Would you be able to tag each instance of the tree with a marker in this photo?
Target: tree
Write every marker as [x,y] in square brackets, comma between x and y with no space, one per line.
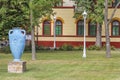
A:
[12,14]
[95,14]
[107,22]
[25,13]
[108,54]
[39,9]
[98,17]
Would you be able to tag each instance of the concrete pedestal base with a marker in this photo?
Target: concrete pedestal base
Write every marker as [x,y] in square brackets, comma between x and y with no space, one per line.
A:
[16,67]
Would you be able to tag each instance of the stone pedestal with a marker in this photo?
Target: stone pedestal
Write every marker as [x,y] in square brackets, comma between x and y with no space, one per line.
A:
[16,67]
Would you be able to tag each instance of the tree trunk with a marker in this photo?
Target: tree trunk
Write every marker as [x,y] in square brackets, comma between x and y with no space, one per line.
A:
[108,49]
[32,35]
[33,45]
[98,36]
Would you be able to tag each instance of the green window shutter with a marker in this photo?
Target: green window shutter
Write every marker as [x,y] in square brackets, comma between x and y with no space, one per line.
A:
[58,28]
[47,30]
[46,27]
[114,3]
[92,29]
[115,30]
[80,29]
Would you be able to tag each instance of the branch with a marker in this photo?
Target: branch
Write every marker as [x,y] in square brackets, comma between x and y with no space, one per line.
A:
[113,12]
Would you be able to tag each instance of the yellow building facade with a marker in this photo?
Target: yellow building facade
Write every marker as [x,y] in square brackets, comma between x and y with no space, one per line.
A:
[68,30]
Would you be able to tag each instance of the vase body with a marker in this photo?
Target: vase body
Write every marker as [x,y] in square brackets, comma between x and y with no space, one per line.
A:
[17,38]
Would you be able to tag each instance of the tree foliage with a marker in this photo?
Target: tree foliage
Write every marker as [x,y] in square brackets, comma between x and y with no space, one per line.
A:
[13,14]
[95,14]
[107,22]
[98,11]
[16,13]
[25,14]
[94,9]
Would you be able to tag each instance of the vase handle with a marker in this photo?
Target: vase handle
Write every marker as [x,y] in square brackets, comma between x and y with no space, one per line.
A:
[23,32]
[10,32]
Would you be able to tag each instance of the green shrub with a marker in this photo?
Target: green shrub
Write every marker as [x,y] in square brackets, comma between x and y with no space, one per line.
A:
[113,48]
[5,49]
[40,47]
[46,48]
[104,47]
[94,47]
[66,47]
[27,48]
[80,48]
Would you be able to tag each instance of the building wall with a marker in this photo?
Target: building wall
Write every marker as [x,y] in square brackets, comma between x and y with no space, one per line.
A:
[68,3]
[65,14]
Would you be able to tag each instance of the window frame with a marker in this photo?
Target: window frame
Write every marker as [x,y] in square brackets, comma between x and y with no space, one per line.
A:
[77,28]
[43,30]
[112,26]
[59,26]
[60,4]
[89,28]
[115,3]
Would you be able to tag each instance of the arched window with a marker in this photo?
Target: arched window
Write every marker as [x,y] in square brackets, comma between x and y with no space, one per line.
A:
[80,28]
[114,3]
[46,28]
[59,4]
[92,28]
[58,28]
[115,28]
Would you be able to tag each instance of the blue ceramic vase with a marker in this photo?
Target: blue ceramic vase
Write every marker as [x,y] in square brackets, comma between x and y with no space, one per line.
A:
[17,38]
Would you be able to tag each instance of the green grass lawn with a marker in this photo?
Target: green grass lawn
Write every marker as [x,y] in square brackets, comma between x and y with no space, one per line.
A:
[65,65]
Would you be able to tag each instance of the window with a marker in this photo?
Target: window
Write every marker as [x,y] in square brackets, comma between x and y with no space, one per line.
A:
[80,28]
[46,28]
[58,4]
[114,3]
[92,28]
[58,28]
[115,28]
